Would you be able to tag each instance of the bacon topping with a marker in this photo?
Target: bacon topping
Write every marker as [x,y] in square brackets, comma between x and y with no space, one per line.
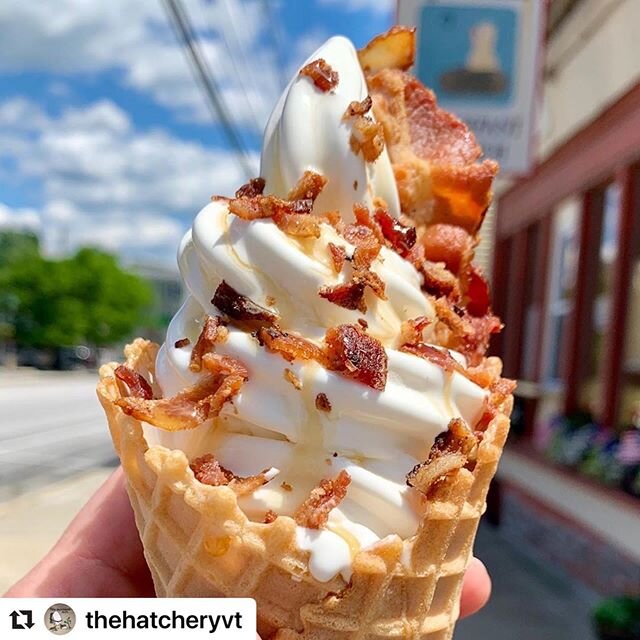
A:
[192,406]
[290,347]
[138,386]
[448,243]
[241,308]
[314,512]
[183,342]
[400,238]
[308,187]
[411,330]
[208,470]
[367,136]
[356,108]
[286,486]
[477,293]
[253,188]
[291,377]
[269,517]
[322,402]
[338,256]
[321,73]
[213,332]
[357,355]
[350,295]
[451,451]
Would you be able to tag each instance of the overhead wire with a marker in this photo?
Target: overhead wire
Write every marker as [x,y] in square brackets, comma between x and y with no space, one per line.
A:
[186,35]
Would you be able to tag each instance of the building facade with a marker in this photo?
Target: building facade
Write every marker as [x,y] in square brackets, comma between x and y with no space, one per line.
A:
[566,281]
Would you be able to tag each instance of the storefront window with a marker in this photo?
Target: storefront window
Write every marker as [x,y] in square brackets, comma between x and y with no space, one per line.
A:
[532,304]
[630,396]
[562,286]
[591,389]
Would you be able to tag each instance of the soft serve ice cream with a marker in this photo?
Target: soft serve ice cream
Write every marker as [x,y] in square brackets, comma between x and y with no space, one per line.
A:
[276,420]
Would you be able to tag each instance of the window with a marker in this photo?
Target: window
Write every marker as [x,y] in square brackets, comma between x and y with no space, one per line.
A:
[564,261]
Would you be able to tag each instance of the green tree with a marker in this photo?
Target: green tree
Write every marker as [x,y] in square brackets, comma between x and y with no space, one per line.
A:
[87,298]
[17,244]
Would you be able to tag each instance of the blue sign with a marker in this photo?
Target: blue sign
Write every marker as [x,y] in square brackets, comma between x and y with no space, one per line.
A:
[467,54]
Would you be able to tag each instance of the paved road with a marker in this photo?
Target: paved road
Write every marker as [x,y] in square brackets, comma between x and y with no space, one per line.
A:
[51,427]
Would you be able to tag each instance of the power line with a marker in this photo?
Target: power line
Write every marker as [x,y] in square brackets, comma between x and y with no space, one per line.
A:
[202,73]
[278,41]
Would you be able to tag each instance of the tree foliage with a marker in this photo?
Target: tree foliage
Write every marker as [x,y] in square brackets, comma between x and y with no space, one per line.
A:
[87,298]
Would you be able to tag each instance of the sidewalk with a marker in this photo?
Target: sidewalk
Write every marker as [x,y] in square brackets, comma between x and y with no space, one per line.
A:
[530,601]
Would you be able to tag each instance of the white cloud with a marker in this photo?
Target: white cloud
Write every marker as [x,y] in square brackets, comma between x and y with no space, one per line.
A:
[20,218]
[374,6]
[105,183]
[71,36]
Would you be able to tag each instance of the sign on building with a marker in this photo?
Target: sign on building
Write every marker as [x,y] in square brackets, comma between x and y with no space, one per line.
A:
[481,59]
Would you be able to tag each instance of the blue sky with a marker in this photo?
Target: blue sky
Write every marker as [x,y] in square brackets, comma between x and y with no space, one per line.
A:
[105,138]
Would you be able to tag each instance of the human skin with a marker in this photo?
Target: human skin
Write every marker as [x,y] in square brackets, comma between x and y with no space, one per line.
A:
[100,555]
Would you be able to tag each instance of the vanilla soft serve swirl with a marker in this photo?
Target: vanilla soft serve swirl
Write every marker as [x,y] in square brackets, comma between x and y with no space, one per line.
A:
[377,436]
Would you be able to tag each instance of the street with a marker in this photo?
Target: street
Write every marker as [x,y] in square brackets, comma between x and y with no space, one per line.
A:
[51,427]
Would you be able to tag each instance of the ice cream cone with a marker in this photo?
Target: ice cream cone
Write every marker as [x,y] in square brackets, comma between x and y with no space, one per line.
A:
[198,542]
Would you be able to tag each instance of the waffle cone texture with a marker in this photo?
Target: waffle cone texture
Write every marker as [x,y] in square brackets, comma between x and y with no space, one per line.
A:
[199,543]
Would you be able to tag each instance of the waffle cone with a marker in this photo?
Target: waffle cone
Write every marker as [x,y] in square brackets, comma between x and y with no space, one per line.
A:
[198,542]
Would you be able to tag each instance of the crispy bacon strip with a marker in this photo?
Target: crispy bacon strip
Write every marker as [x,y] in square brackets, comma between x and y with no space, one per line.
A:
[241,308]
[356,108]
[260,207]
[399,237]
[367,137]
[289,346]
[191,407]
[357,355]
[208,470]
[323,403]
[308,187]
[213,332]
[253,188]
[314,512]
[138,386]
[300,226]
[450,244]
[451,451]
[321,74]
[338,256]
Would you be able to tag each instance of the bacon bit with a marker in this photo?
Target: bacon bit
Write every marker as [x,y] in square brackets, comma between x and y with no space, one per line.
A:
[183,342]
[465,333]
[338,257]
[448,243]
[291,377]
[363,323]
[241,308]
[334,218]
[209,471]
[500,390]
[189,408]
[290,347]
[437,280]
[367,136]
[253,188]
[363,217]
[356,108]
[300,226]
[270,300]
[286,486]
[269,517]
[321,73]
[400,238]
[451,451]
[477,293]
[322,402]
[357,355]
[314,512]
[439,357]
[308,187]
[138,386]
[213,332]
[348,295]
[411,330]
[262,207]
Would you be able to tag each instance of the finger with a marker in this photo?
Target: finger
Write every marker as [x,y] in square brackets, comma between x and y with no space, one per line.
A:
[476,588]
[99,554]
